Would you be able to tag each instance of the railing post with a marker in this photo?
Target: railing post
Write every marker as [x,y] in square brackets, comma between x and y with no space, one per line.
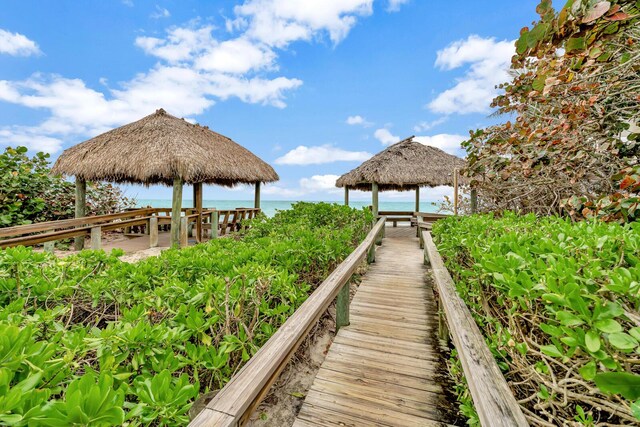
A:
[96,238]
[153,232]
[371,254]
[215,219]
[342,307]
[443,329]
[184,239]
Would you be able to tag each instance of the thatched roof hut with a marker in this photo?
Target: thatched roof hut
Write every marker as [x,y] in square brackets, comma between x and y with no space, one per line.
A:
[163,149]
[159,148]
[403,166]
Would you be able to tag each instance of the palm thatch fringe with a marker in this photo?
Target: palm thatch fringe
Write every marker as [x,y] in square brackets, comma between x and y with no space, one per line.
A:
[402,167]
[159,148]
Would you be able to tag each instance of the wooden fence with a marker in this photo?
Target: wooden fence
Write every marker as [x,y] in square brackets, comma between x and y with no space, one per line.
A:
[146,220]
[236,401]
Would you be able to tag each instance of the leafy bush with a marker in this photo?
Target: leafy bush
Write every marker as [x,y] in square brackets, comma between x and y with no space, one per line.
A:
[91,340]
[558,303]
[576,112]
[28,193]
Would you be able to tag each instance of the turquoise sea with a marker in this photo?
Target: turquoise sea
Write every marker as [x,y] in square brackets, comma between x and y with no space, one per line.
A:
[269,207]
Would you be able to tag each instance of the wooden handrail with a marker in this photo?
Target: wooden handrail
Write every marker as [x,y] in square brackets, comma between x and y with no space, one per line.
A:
[67,234]
[492,397]
[68,223]
[234,403]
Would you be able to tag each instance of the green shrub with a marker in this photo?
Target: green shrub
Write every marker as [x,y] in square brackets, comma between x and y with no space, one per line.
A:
[149,337]
[558,302]
[28,193]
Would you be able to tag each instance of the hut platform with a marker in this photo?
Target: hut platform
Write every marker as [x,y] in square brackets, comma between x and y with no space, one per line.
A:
[385,368]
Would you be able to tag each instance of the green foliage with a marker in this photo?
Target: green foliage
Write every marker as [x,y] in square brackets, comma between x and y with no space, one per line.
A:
[90,340]
[558,302]
[28,193]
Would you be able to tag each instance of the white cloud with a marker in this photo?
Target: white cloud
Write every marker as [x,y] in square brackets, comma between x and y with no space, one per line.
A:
[194,70]
[446,142]
[385,137]
[394,5]
[236,56]
[181,43]
[320,183]
[16,44]
[280,191]
[280,22]
[160,12]
[358,120]
[303,155]
[488,61]
[425,126]
[314,185]
[16,136]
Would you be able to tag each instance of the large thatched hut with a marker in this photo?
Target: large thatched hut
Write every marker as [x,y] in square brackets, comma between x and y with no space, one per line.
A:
[163,149]
[403,166]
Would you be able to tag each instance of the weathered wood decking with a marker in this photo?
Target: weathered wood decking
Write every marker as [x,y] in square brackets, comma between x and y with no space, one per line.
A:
[384,368]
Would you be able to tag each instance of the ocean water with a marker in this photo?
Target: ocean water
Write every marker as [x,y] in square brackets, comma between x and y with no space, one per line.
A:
[269,207]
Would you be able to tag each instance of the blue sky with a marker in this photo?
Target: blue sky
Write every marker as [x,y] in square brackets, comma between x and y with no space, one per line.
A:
[313,87]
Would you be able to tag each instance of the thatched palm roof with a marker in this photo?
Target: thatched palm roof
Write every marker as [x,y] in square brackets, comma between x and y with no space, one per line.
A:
[159,148]
[404,166]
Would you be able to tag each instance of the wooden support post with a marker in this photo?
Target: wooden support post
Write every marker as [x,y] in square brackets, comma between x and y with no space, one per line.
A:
[50,246]
[197,203]
[96,238]
[374,199]
[184,238]
[256,196]
[443,328]
[153,232]
[81,203]
[474,201]
[342,307]
[176,211]
[346,195]
[417,199]
[215,219]
[455,191]
[371,254]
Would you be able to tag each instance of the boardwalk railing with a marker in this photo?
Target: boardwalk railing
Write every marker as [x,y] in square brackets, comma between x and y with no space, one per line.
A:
[147,219]
[493,400]
[233,405]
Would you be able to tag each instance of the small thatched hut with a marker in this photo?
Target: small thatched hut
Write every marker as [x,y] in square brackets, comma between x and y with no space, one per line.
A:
[403,166]
[163,149]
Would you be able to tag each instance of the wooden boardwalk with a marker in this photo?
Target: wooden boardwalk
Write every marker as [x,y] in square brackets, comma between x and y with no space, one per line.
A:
[385,368]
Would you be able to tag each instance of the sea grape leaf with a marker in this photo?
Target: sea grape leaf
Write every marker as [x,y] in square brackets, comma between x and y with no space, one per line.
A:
[596,11]
[576,43]
[623,383]
[592,341]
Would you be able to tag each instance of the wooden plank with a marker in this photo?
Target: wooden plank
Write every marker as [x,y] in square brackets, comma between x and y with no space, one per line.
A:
[385,414]
[246,387]
[427,381]
[492,397]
